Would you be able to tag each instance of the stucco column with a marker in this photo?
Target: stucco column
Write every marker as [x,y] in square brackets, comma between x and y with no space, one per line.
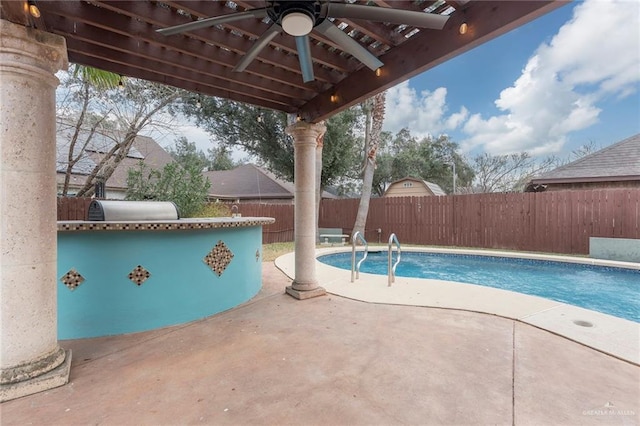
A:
[319,146]
[30,358]
[305,136]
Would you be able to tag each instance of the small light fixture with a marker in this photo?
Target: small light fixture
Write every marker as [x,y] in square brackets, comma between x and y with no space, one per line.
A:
[260,118]
[198,103]
[463,28]
[33,9]
[378,72]
[333,98]
[297,23]
[298,118]
[121,83]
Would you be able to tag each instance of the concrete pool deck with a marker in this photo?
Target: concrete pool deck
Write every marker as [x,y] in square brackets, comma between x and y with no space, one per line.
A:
[336,361]
[612,335]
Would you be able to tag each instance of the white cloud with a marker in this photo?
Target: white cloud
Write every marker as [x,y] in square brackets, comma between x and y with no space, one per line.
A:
[594,55]
[423,114]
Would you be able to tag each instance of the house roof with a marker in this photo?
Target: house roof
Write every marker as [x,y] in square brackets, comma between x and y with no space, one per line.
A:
[620,161]
[246,181]
[434,188]
[144,148]
[121,37]
[250,182]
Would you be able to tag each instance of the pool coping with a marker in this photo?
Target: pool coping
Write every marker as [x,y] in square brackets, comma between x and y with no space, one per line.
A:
[606,333]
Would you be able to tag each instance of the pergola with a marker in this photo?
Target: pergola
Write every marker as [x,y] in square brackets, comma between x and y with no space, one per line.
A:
[121,37]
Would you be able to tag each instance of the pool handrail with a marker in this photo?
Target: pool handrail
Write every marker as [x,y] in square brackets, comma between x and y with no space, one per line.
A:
[392,269]
[355,269]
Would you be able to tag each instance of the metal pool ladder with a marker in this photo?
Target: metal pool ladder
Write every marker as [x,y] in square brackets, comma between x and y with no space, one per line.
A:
[355,269]
[392,269]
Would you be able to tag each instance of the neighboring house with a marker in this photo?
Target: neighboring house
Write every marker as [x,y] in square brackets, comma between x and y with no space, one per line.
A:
[616,166]
[251,184]
[144,149]
[413,187]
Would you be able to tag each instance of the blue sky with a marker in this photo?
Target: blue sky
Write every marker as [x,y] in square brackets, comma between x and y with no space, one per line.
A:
[549,87]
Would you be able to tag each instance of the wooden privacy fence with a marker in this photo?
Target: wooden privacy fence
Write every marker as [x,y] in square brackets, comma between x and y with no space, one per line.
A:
[72,208]
[279,232]
[558,221]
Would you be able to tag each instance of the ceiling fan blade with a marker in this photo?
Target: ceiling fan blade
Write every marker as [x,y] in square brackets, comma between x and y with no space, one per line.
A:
[304,56]
[348,44]
[216,20]
[257,47]
[386,14]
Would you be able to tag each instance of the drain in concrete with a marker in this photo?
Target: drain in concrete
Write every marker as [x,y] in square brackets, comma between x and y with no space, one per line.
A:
[582,323]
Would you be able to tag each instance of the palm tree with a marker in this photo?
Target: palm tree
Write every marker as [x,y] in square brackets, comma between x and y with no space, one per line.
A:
[374,110]
[98,78]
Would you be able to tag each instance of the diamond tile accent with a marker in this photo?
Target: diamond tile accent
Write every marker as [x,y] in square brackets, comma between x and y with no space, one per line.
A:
[219,258]
[72,279]
[139,275]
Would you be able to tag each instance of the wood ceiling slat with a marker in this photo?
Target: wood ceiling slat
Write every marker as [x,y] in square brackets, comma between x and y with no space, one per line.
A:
[154,53]
[139,30]
[125,69]
[426,50]
[163,17]
[104,53]
[256,28]
[122,39]
[376,31]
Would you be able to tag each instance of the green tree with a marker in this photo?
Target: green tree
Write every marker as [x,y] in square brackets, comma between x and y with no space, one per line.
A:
[89,103]
[342,147]
[258,131]
[429,159]
[188,155]
[261,133]
[220,158]
[185,186]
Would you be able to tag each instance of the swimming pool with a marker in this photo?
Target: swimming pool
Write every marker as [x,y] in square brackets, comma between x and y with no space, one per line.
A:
[614,291]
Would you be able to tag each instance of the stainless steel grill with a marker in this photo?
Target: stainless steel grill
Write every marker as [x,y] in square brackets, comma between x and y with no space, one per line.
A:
[112,210]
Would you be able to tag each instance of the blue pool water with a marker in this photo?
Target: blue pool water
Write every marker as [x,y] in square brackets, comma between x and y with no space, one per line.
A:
[613,291]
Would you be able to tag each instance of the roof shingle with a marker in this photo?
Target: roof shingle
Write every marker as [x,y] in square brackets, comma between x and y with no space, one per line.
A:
[620,160]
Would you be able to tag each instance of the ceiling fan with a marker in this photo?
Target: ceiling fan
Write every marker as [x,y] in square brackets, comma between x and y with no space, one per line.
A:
[299,18]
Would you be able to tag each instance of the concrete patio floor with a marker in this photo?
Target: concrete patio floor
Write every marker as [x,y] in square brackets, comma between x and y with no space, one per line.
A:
[336,361]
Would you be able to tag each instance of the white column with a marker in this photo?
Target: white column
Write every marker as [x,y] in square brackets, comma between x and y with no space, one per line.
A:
[305,283]
[30,358]
[319,146]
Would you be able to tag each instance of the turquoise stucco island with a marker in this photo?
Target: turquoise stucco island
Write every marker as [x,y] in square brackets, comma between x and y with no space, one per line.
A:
[126,277]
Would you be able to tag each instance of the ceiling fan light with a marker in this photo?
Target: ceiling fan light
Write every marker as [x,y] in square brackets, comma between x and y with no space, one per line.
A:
[297,23]
[33,9]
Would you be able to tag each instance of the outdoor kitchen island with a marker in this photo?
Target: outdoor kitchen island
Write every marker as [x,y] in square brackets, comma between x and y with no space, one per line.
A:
[117,277]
